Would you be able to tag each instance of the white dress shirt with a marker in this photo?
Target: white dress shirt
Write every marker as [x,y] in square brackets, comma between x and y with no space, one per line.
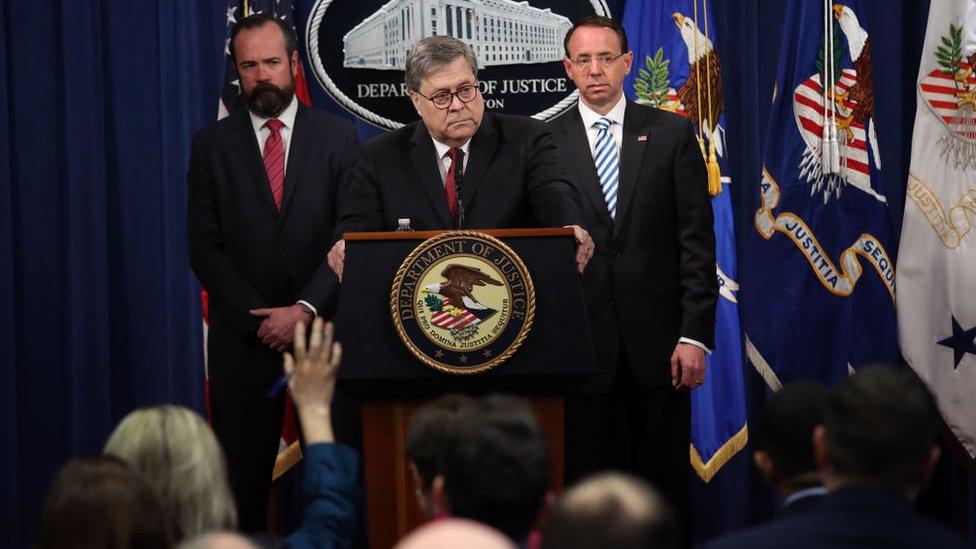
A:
[616,114]
[444,161]
[287,118]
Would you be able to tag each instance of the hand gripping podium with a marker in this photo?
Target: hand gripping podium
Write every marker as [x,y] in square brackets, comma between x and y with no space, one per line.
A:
[421,314]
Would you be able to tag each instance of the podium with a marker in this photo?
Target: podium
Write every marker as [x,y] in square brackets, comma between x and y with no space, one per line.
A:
[391,382]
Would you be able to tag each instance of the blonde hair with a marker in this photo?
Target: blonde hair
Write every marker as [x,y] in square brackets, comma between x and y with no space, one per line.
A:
[180,457]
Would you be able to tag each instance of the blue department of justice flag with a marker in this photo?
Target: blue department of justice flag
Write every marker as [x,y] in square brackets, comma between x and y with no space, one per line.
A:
[676,68]
[819,287]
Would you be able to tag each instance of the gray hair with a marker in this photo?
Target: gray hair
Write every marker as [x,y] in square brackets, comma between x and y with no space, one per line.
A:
[433,53]
[180,457]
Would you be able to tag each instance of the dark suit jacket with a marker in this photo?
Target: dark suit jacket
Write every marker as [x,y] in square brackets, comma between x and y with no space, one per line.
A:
[850,517]
[513,179]
[243,251]
[652,277]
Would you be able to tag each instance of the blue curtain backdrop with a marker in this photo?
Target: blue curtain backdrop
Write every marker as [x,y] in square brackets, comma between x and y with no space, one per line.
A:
[99,312]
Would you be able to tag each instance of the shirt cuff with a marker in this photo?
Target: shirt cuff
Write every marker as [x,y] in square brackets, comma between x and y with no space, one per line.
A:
[696,344]
[315,312]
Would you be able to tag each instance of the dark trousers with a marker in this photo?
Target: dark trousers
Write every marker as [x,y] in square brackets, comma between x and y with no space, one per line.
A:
[248,426]
[644,431]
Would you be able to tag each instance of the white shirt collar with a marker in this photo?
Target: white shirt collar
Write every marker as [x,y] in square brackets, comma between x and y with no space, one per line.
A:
[616,113]
[442,149]
[287,116]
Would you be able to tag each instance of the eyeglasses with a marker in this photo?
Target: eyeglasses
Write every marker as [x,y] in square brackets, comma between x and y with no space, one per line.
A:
[443,100]
[604,60]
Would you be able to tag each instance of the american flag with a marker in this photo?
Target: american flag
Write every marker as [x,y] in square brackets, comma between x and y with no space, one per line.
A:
[289,451]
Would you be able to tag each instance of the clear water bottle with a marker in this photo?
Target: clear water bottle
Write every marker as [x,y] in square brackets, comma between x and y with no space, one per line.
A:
[403,224]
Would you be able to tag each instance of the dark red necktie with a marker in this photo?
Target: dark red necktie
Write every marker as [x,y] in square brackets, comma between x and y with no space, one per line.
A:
[274,160]
[450,185]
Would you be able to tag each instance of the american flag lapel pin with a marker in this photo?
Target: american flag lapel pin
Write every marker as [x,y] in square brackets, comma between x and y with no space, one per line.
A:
[642,137]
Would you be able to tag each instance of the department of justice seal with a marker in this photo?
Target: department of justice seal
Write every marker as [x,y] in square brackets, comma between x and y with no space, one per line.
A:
[462,302]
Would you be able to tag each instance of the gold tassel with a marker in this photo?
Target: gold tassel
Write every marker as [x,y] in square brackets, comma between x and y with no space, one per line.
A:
[714,172]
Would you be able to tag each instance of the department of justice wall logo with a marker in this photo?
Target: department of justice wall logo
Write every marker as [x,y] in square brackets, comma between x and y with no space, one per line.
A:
[358,49]
[462,302]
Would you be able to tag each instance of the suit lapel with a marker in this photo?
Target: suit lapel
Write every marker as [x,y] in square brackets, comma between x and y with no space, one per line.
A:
[423,154]
[636,135]
[243,138]
[299,144]
[480,153]
[577,151]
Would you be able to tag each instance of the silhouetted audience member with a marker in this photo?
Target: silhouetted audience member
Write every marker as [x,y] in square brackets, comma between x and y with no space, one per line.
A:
[427,439]
[175,450]
[784,453]
[454,533]
[218,540]
[100,502]
[496,468]
[611,511]
[875,450]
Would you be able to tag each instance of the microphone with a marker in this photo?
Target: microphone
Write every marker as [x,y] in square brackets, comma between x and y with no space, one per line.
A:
[458,184]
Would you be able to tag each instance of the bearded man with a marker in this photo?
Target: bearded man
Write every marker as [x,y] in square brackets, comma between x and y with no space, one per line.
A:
[260,213]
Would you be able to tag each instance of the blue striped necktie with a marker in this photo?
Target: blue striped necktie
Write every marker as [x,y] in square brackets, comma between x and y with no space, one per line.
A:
[607,163]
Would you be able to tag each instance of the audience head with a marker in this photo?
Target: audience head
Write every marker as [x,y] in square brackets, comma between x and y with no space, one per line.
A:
[610,511]
[879,430]
[178,454]
[452,533]
[784,451]
[442,76]
[218,540]
[496,468]
[427,439]
[100,502]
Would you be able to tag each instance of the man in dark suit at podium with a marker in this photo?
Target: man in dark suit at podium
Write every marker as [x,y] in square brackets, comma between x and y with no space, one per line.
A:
[260,215]
[650,289]
[458,167]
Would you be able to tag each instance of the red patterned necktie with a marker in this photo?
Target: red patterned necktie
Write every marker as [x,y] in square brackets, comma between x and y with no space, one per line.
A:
[274,160]
[450,187]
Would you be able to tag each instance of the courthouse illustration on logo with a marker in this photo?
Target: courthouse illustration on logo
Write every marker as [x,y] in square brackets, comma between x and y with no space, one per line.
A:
[501,32]
[463,302]
[358,50]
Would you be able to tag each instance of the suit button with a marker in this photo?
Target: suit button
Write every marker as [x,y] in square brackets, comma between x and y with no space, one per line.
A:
[615,253]
[613,300]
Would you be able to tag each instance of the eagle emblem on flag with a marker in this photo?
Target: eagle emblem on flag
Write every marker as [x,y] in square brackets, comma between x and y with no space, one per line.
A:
[834,112]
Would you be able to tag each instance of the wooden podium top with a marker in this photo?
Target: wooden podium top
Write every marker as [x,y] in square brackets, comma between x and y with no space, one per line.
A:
[423,235]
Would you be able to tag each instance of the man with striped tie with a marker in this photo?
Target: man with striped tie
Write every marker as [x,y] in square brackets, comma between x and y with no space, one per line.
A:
[650,288]
[260,215]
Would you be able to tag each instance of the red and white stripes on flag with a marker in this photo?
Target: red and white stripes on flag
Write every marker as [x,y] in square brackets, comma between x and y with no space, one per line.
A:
[443,319]
[808,107]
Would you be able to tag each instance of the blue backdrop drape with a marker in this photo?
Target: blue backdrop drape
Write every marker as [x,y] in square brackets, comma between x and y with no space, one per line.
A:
[99,312]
